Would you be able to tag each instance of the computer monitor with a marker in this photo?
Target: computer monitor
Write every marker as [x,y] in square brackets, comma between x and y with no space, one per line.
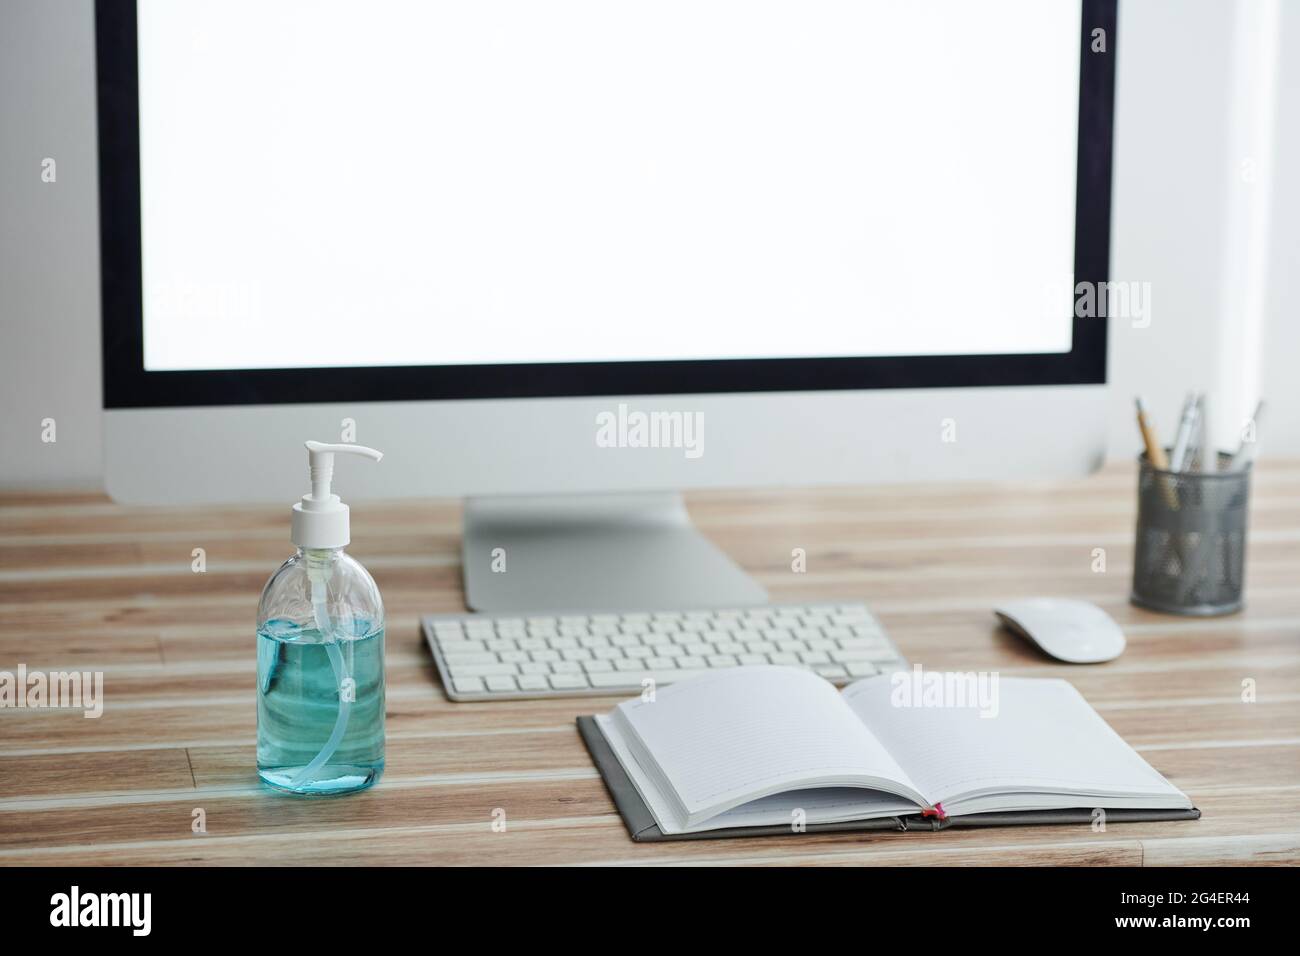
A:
[567,257]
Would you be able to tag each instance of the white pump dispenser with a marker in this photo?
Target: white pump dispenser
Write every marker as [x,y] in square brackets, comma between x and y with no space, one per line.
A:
[321,520]
[321,600]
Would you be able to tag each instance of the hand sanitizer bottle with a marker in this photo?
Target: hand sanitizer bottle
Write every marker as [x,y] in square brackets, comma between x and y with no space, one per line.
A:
[320,652]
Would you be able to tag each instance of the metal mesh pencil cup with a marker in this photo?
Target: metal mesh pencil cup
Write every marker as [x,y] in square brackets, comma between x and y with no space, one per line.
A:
[1190,555]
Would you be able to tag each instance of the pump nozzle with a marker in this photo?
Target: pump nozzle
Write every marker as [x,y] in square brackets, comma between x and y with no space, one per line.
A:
[320,520]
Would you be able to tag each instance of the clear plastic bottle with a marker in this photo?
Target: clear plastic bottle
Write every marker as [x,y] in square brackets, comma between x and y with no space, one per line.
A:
[320,654]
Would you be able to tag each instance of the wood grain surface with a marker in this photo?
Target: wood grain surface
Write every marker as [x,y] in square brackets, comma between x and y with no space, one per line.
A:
[89,585]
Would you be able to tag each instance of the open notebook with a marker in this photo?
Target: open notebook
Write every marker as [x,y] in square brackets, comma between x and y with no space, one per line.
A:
[770,749]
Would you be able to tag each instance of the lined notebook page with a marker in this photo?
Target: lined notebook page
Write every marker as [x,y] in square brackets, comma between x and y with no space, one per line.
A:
[728,737]
[1044,737]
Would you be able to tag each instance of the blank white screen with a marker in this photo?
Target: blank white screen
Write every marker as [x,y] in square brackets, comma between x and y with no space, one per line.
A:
[394,182]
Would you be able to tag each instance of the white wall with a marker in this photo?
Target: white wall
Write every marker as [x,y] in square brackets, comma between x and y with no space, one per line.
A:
[1206,125]
[1279,431]
[1168,215]
[49,293]
[1197,98]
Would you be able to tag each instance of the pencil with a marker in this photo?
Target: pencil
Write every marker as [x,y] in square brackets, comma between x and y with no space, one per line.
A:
[1156,455]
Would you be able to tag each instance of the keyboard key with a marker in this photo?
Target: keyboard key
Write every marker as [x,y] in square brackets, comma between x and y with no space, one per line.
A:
[831,671]
[723,660]
[457,658]
[615,679]
[483,670]
[597,667]
[879,640]
[468,685]
[501,684]
[877,654]
[861,669]
[569,681]
[533,682]
[463,645]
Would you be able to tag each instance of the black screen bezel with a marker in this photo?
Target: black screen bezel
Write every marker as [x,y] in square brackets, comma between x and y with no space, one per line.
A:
[127,384]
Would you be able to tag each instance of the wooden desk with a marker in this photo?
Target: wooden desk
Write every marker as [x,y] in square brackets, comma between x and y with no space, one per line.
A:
[88,585]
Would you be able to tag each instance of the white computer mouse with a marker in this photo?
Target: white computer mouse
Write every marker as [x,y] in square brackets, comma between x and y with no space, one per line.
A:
[1072,631]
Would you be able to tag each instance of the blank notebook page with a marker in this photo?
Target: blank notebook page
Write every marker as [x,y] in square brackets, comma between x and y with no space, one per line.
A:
[725,736]
[1044,737]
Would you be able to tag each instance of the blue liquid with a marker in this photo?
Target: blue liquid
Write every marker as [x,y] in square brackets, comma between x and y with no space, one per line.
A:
[299,695]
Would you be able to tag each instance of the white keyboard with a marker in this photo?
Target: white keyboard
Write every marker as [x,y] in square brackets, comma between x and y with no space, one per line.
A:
[485,657]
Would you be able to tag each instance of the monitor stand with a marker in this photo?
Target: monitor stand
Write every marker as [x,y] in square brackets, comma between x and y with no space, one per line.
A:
[612,552]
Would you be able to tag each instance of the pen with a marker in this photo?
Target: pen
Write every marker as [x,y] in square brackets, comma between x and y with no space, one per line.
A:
[1187,428]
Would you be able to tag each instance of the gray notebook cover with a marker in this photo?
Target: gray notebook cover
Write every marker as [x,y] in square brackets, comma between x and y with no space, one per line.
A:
[641,824]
